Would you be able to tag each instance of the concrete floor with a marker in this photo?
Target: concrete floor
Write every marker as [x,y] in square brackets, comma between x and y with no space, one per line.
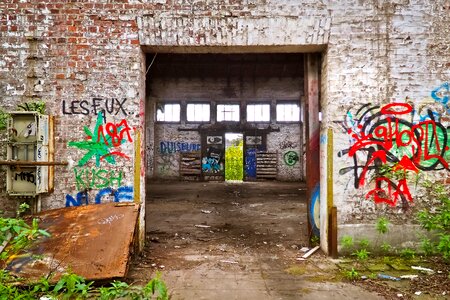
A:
[235,241]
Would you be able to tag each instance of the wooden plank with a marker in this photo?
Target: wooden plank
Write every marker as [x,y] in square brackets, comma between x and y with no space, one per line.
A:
[51,153]
[266,171]
[190,172]
[32,163]
[266,176]
[333,233]
[310,252]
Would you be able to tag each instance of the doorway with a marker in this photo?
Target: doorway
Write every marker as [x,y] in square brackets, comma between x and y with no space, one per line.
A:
[234,157]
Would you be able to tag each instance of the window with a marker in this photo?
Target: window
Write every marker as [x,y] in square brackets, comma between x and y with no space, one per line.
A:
[168,112]
[258,112]
[288,112]
[197,112]
[228,112]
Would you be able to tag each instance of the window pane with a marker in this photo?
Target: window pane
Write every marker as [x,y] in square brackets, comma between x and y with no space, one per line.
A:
[258,112]
[198,112]
[228,112]
[288,112]
[168,113]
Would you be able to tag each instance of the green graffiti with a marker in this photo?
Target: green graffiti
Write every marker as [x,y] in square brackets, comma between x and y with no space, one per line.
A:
[86,178]
[291,158]
[99,145]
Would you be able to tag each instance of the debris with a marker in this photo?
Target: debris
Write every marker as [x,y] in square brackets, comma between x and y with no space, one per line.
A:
[300,258]
[177,247]
[228,261]
[120,204]
[422,269]
[363,277]
[265,243]
[205,211]
[418,293]
[310,252]
[202,226]
[162,266]
[255,204]
[399,295]
[5,242]
[154,239]
[384,276]
[153,265]
[409,277]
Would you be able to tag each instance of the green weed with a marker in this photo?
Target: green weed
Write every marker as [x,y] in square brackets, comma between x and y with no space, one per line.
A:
[361,254]
[352,275]
[382,225]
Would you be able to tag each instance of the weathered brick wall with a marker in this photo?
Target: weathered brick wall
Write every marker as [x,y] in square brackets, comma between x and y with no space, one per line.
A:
[80,58]
[375,52]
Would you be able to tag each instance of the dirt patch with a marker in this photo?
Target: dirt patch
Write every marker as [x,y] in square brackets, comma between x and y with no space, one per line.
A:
[223,220]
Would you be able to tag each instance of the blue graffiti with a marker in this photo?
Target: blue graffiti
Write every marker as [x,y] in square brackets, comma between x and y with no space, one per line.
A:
[211,165]
[441,94]
[122,194]
[250,163]
[81,197]
[314,210]
[167,147]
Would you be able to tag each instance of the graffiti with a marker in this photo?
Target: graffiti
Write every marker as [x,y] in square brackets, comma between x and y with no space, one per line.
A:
[441,94]
[86,178]
[287,144]
[252,140]
[109,220]
[250,163]
[167,165]
[291,158]
[214,140]
[314,210]
[100,142]
[122,194]
[25,176]
[112,106]
[30,130]
[212,162]
[323,139]
[166,147]
[385,143]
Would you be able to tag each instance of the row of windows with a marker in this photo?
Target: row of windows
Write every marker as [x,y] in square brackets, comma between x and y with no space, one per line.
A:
[195,112]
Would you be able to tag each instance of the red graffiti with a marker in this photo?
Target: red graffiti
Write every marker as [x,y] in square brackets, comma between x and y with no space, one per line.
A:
[386,191]
[387,139]
[115,133]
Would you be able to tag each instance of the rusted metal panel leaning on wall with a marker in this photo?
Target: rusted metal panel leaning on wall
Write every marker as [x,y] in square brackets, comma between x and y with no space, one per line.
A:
[93,241]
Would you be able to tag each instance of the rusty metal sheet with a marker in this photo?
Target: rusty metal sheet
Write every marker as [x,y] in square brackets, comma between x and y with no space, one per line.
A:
[93,241]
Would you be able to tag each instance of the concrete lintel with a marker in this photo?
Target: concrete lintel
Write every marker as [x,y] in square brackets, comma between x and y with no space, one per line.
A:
[236,49]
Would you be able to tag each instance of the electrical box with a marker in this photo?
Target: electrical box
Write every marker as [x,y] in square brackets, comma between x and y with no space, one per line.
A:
[28,142]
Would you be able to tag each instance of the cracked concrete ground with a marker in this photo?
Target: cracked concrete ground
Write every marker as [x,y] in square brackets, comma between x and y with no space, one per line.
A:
[235,241]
